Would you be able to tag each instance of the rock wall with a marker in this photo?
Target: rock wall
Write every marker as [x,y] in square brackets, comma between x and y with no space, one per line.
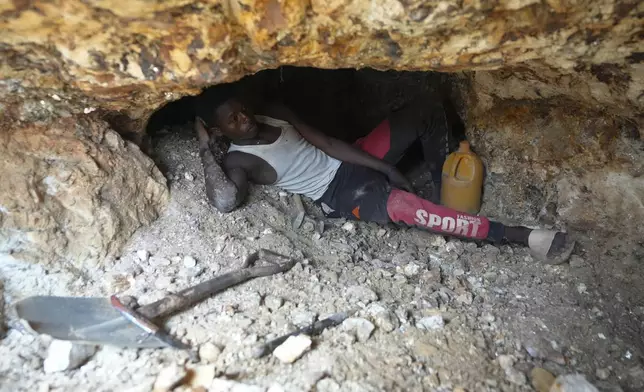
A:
[133,55]
[72,189]
[553,158]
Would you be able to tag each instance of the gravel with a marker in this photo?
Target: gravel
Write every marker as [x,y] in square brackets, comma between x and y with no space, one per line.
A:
[64,355]
[436,324]
[293,348]
[362,328]
[431,322]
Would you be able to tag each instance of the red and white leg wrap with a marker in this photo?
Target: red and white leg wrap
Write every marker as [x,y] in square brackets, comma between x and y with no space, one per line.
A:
[410,209]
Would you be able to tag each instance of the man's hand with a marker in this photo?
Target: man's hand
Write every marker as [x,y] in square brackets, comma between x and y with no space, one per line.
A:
[398,180]
[202,133]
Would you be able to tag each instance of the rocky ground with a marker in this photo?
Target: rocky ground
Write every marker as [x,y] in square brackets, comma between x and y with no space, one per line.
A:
[430,313]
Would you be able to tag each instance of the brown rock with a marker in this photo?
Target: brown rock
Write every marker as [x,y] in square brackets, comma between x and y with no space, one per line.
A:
[531,171]
[176,53]
[541,379]
[73,190]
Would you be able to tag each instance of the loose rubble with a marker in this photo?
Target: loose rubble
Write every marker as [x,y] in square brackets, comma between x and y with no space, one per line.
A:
[293,348]
[576,261]
[225,385]
[602,374]
[189,262]
[273,303]
[143,255]
[302,318]
[412,269]
[426,313]
[572,383]
[202,376]
[64,355]
[209,352]
[163,282]
[361,294]
[157,262]
[385,319]
[431,322]
[513,375]
[169,378]
[362,328]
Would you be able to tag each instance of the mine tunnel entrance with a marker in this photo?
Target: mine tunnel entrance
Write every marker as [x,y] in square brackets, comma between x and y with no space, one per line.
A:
[344,103]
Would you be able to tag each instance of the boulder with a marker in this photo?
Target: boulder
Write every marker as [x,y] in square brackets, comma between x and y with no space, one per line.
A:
[73,191]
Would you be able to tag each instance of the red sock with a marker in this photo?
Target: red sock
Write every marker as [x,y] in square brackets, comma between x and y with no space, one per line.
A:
[410,209]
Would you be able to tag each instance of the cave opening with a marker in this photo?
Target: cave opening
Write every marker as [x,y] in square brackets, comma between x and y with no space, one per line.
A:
[343,103]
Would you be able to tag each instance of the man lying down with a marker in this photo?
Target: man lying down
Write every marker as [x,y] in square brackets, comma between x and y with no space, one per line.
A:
[272,146]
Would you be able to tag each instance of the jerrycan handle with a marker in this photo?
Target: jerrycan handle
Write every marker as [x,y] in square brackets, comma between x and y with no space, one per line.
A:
[463,147]
[455,169]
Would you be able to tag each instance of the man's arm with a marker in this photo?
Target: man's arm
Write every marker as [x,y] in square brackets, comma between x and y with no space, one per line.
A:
[339,149]
[224,192]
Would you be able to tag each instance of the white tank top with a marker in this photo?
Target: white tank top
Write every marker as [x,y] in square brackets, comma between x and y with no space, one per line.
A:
[301,167]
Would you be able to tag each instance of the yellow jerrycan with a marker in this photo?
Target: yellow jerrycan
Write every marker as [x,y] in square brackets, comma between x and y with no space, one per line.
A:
[462,181]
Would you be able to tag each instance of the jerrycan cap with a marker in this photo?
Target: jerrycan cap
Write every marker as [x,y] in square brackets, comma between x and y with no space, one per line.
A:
[464,146]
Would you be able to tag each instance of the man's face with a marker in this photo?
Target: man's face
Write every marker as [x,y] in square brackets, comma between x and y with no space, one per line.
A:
[235,121]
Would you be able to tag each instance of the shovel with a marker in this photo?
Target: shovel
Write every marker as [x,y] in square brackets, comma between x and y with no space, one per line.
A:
[98,321]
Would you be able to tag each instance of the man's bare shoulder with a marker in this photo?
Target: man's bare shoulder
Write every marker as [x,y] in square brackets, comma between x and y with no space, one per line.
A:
[258,170]
[238,159]
[246,161]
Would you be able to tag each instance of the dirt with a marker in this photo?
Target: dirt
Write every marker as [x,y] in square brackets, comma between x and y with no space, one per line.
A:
[503,313]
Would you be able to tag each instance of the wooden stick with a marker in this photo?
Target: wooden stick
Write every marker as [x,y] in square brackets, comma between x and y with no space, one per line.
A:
[190,296]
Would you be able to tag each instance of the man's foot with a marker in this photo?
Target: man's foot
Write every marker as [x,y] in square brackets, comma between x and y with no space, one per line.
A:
[550,247]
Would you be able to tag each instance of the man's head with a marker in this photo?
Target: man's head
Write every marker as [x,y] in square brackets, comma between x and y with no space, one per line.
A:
[225,114]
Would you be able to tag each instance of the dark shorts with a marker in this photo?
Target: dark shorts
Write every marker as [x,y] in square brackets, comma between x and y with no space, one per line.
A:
[357,192]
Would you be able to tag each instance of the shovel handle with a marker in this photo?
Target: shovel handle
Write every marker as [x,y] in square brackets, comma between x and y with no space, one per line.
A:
[173,303]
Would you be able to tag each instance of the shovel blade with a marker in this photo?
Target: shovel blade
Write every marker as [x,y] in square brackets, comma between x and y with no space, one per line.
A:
[83,320]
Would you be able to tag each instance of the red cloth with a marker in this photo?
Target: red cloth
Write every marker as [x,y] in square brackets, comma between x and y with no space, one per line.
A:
[410,209]
[378,141]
